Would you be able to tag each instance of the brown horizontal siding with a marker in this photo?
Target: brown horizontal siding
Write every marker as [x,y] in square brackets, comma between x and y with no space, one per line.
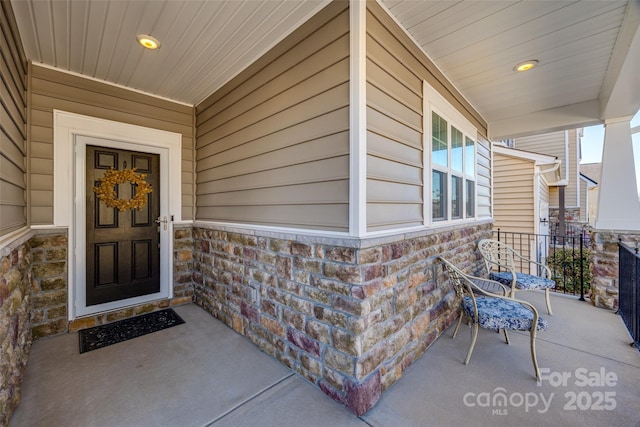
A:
[282,117]
[386,148]
[51,90]
[299,79]
[272,145]
[394,136]
[385,30]
[13,128]
[396,70]
[303,216]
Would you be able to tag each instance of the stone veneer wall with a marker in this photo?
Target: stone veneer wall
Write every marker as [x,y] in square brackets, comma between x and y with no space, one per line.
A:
[15,330]
[49,285]
[571,215]
[349,315]
[604,265]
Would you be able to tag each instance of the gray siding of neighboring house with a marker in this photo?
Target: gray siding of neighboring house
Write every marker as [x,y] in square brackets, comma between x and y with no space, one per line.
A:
[51,90]
[273,143]
[553,144]
[483,187]
[396,69]
[13,137]
[514,209]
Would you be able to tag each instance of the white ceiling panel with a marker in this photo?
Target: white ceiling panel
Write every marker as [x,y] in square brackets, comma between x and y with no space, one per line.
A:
[204,43]
[475,43]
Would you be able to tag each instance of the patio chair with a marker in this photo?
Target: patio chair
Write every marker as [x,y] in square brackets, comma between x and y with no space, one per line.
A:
[486,303]
[500,256]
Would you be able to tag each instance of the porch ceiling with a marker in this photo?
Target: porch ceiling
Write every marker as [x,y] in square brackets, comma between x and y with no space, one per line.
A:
[588,52]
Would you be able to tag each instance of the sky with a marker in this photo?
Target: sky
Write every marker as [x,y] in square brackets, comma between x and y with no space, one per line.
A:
[592,142]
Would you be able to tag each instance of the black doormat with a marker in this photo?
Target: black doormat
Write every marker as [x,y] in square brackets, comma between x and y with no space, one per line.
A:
[123,330]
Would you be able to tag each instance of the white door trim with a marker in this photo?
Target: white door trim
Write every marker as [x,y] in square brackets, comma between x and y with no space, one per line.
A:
[69,190]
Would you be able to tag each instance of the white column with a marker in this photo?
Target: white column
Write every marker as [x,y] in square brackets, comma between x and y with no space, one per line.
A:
[358,119]
[618,204]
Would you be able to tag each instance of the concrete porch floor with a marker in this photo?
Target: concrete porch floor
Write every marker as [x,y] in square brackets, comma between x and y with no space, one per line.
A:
[202,373]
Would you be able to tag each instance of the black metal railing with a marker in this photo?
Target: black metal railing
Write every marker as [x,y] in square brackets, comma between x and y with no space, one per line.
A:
[567,257]
[629,283]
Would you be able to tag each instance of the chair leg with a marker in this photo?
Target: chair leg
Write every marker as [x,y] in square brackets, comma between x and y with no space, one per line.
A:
[533,355]
[474,336]
[455,331]
[506,336]
[546,291]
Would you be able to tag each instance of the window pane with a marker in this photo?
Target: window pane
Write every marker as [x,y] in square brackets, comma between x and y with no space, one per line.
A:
[438,140]
[471,198]
[470,158]
[456,197]
[438,195]
[456,149]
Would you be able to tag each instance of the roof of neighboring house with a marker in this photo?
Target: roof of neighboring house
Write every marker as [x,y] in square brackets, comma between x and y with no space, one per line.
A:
[539,159]
[551,174]
[592,171]
[590,183]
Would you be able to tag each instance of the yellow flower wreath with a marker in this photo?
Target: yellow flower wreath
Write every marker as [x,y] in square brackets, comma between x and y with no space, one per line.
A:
[107,194]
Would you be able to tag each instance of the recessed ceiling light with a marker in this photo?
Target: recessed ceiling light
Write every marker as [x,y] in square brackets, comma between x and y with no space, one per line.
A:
[526,65]
[147,41]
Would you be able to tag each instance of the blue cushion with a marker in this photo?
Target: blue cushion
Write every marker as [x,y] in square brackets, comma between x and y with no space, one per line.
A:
[499,313]
[523,281]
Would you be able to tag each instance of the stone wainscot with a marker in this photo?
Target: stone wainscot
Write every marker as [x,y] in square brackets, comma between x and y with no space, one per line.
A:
[348,315]
[15,330]
[605,265]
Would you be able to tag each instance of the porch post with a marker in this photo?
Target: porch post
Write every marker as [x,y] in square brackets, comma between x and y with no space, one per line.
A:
[562,229]
[618,204]
[358,119]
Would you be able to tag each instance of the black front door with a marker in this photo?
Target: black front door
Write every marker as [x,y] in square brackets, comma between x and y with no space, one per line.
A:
[123,254]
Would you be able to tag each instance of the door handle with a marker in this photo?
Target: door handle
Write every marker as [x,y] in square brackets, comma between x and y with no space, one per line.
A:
[163,221]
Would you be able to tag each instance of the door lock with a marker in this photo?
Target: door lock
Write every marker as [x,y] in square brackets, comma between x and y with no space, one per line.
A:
[163,221]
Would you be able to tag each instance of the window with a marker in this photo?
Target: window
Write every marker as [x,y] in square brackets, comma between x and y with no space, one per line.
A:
[439,195]
[471,198]
[456,197]
[439,145]
[453,170]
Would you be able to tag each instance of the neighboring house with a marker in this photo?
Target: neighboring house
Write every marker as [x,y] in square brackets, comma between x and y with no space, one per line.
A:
[521,189]
[590,176]
[567,196]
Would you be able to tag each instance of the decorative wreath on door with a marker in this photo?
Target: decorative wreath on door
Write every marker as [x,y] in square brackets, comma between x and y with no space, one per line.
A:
[107,194]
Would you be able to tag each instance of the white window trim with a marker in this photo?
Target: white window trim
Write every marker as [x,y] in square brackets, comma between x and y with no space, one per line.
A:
[434,102]
[69,185]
